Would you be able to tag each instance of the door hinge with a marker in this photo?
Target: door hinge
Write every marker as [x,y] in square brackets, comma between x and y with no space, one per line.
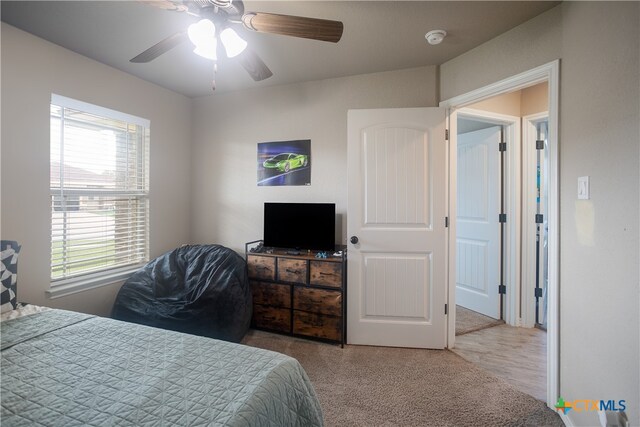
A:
[538,292]
[446,221]
[502,218]
[446,134]
[502,146]
[539,218]
[502,289]
[446,311]
[539,144]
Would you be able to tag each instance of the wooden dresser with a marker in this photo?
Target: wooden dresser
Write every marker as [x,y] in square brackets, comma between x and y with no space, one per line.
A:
[299,294]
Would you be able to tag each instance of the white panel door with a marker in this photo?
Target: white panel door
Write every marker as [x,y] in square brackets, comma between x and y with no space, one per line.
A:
[396,209]
[478,228]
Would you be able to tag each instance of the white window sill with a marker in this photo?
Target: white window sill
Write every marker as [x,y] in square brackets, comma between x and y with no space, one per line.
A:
[74,285]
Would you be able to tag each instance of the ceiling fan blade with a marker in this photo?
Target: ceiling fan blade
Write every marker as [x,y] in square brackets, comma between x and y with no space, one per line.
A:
[295,26]
[162,47]
[254,65]
[166,5]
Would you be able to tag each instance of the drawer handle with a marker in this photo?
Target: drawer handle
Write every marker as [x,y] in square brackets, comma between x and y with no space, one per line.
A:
[288,270]
[322,273]
[262,267]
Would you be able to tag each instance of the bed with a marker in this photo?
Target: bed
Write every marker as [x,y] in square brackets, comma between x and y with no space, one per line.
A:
[62,368]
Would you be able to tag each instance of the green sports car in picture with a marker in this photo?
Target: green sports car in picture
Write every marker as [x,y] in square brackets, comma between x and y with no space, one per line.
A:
[284,162]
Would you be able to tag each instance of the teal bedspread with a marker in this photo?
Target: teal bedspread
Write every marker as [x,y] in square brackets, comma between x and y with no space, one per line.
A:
[61,368]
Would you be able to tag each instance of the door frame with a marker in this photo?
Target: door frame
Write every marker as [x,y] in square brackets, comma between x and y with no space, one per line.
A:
[529,136]
[512,182]
[549,72]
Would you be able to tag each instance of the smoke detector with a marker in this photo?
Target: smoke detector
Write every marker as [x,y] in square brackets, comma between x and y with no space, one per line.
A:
[435,36]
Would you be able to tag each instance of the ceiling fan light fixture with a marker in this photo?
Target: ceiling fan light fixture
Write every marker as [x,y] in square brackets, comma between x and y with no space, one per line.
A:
[233,44]
[223,14]
[203,36]
[208,52]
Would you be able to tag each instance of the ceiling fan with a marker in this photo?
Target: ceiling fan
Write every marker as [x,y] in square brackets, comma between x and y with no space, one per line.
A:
[217,19]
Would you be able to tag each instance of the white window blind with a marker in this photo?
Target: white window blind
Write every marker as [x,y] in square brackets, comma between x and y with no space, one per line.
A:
[99,189]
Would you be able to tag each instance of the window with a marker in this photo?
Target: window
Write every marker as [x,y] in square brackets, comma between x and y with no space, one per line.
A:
[99,184]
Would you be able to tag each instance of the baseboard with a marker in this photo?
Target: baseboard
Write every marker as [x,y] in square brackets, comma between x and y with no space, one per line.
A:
[565,419]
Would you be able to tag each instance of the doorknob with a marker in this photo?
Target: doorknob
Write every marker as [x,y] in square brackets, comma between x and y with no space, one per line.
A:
[354,239]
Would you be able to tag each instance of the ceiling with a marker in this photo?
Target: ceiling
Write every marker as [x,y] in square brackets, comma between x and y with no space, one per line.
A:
[378,36]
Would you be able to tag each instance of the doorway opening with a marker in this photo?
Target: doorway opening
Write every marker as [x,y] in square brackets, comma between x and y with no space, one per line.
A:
[519,244]
[485,141]
[488,167]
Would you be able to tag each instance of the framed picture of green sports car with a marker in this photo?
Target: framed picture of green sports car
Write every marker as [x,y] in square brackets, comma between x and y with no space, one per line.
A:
[284,163]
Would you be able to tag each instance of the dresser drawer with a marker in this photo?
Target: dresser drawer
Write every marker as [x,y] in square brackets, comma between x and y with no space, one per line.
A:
[324,273]
[292,270]
[274,294]
[317,301]
[275,319]
[317,325]
[261,267]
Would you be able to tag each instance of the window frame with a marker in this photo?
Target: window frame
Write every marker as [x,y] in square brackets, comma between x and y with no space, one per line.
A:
[68,285]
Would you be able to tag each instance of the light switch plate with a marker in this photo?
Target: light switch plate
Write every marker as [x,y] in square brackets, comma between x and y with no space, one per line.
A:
[583,188]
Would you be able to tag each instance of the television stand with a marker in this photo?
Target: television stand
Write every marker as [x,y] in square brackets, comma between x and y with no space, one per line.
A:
[295,293]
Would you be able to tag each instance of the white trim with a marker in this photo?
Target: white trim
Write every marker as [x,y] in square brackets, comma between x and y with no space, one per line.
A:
[529,135]
[520,81]
[512,182]
[85,282]
[549,72]
[565,418]
[553,302]
[452,153]
[74,104]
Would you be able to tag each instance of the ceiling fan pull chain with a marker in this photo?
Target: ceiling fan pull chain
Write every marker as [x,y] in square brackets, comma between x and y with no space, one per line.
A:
[215,70]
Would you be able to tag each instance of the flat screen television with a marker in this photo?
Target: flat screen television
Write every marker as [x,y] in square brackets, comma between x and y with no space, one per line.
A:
[300,226]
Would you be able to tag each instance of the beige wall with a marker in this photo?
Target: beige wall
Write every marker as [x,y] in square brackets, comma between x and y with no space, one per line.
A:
[227,205]
[599,137]
[534,99]
[32,69]
[508,104]
[518,103]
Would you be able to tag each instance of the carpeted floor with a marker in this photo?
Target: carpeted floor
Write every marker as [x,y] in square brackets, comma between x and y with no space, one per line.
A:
[383,386]
[470,321]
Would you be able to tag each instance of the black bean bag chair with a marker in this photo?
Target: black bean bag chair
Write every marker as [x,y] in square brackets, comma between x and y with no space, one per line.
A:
[197,289]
